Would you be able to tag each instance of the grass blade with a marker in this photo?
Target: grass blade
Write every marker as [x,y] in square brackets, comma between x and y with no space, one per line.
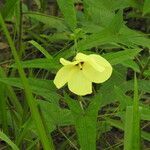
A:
[136,117]
[8,141]
[11,94]
[3,109]
[46,141]
[132,123]
[41,49]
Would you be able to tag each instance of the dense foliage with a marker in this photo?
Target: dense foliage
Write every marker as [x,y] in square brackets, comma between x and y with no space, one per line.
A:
[34,35]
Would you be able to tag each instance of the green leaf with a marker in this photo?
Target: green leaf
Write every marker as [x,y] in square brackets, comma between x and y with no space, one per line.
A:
[131,137]
[3,106]
[133,38]
[119,57]
[85,122]
[120,125]
[117,79]
[132,122]
[145,113]
[147,73]
[144,85]
[131,64]
[96,39]
[42,63]
[57,37]
[8,8]
[47,143]
[116,23]
[50,21]
[146,7]
[41,49]
[4,137]
[135,3]
[44,88]
[116,4]
[136,135]
[97,13]
[68,10]
[54,115]
[123,99]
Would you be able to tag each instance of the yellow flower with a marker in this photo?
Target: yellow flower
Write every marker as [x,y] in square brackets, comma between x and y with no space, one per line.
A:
[80,73]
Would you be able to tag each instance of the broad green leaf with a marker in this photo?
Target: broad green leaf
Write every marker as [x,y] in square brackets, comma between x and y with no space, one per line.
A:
[5,138]
[50,21]
[44,88]
[131,64]
[146,7]
[120,56]
[68,10]
[85,122]
[116,23]
[96,12]
[96,39]
[132,37]
[135,3]
[89,27]
[42,63]
[116,4]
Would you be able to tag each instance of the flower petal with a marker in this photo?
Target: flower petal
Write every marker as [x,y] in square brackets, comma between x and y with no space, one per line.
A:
[100,60]
[62,76]
[81,57]
[97,75]
[78,83]
[66,62]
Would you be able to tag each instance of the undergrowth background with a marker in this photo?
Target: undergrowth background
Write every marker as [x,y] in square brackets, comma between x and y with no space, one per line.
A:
[34,35]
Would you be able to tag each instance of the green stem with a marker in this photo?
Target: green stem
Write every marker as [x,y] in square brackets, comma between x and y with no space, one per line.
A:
[136,117]
[47,142]
[3,109]
[80,99]
[75,46]
[20,29]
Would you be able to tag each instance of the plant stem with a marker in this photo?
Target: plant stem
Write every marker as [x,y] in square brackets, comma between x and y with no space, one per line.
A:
[20,29]
[80,99]
[46,141]
[3,105]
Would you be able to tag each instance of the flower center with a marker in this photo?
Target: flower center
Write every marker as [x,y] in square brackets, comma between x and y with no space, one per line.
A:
[80,65]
